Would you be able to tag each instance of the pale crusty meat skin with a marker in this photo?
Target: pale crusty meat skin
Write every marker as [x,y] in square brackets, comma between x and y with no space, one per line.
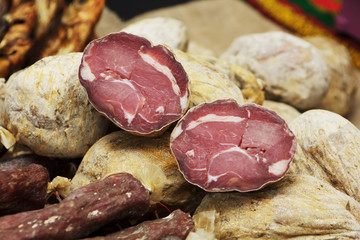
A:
[294,71]
[75,29]
[221,146]
[47,109]
[344,81]
[161,30]
[82,212]
[140,87]
[297,207]
[23,189]
[329,149]
[177,226]
[252,88]
[284,110]
[206,82]
[149,159]
[18,40]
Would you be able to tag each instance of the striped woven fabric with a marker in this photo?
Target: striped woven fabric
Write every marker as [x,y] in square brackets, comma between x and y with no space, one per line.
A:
[309,17]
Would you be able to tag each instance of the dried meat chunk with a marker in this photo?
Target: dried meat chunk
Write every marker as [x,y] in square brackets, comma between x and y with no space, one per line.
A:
[221,146]
[82,212]
[140,87]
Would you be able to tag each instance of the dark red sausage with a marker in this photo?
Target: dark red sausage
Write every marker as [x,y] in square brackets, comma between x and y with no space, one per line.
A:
[222,146]
[175,226]
[85,210]
[141,88]
[56,167]
[23,189]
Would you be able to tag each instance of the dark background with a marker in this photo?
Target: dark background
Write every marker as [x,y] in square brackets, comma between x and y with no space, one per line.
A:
[127,9]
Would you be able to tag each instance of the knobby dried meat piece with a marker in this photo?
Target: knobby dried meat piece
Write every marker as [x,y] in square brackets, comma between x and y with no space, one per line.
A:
[148,159]
[47,109]
[23,189]
[294,70]
[328,148]
[177,226]
[82,212]
[297,207]
[18,39]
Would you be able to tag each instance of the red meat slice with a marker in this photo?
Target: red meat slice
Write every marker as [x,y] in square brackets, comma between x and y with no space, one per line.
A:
[141,88]
[221,146]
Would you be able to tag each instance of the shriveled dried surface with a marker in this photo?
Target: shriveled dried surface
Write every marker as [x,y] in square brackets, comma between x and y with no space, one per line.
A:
[297,207]
[148,159]
[206,83]
[328,148]
[344,81]
[47,109]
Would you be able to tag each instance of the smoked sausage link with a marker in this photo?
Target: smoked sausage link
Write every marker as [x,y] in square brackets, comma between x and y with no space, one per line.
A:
[23,189]
[85,210]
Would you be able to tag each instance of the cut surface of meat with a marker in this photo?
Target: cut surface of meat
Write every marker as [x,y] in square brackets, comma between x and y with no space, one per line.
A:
[141,88]
[221,146]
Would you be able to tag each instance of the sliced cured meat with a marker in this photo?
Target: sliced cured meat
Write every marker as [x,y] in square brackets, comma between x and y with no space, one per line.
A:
[141,88]
[221,146]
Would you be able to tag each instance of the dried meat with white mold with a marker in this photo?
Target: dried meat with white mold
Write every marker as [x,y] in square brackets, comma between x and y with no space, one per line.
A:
[222,146]
[140,87]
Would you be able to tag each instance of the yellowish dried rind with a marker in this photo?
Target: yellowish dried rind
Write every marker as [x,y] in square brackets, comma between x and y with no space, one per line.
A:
[252,88]
[344,81]
[48,110]
[294,70]
[160,30]
[206,83]
[284,110]
[297,207]
[328,148]
[148,159]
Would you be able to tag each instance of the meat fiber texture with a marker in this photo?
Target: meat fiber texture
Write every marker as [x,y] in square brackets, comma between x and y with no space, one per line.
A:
[294,70]
[221,146]
[344,79]
[140,87]
[48,110]
[328,148]
[161,30]
[207,83]
[148,159]
[297,207]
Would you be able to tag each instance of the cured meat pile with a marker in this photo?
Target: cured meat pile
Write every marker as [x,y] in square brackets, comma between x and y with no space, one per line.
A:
[135,138]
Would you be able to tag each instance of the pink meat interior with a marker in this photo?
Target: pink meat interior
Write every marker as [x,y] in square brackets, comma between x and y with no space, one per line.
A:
[139,87]
[221,146]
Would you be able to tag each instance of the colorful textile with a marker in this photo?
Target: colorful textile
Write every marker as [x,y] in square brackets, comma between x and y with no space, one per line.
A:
[309,17]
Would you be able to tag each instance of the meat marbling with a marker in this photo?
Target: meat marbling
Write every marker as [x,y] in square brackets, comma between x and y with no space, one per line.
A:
[222,146]
[140,87]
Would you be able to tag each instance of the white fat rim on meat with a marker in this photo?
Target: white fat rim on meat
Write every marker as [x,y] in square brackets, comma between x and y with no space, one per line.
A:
[213,118]
[166,71]
[86,73]
[176,132]
[278,168]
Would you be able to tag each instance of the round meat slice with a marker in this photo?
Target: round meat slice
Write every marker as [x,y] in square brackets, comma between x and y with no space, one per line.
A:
[140,87]
[221,146]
